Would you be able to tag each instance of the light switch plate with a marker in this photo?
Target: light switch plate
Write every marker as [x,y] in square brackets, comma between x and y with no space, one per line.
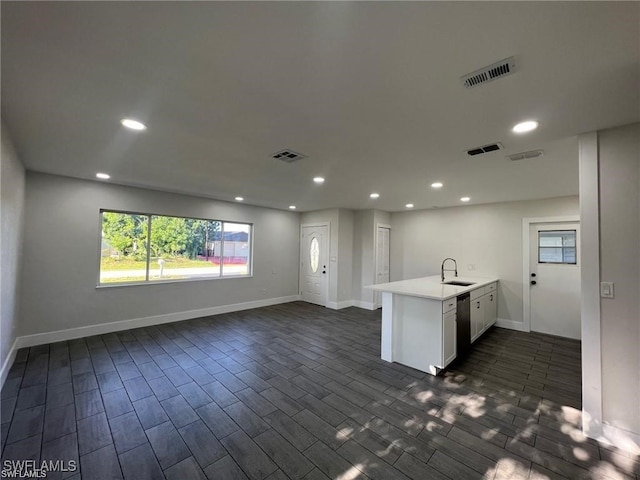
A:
[606,289]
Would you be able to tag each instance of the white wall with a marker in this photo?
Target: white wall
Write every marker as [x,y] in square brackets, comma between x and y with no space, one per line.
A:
[381,218]
[489,237]
[12,185]
[619,204]
[61,248]
[363,258]
[345,256]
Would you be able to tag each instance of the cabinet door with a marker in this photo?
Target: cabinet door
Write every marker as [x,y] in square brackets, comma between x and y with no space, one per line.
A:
[477,317]
[449,329]
[491,309]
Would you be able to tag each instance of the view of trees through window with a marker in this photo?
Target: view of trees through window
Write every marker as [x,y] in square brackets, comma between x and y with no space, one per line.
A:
[147,248]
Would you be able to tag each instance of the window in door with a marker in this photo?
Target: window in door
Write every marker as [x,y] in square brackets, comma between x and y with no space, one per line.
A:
[557,246]
[314,254]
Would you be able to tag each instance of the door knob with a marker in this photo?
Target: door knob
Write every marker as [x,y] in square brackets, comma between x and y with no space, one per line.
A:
[533,274]
[533,282]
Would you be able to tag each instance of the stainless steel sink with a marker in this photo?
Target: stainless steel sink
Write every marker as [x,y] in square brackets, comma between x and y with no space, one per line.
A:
[458,283]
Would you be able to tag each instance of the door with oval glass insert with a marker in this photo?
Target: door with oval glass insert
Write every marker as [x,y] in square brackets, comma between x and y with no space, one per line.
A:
[314,257]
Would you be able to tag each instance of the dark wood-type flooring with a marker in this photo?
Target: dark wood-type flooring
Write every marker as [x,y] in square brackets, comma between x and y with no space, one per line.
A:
[299,391]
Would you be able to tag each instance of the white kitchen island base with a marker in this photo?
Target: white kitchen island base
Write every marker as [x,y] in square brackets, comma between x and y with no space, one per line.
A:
[415,333]
[419,326]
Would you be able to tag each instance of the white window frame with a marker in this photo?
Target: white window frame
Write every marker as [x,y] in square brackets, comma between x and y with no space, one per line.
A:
[147,281]
[562,247]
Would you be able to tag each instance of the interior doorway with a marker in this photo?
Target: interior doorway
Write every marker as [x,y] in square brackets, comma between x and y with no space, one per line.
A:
[383,235]
[314,263]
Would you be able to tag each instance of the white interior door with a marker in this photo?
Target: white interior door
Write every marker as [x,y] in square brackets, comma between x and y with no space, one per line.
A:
[314,256]
[382,260]
[554,278]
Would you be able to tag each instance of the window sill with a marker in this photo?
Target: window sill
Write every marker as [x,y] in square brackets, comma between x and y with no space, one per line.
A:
[164,282]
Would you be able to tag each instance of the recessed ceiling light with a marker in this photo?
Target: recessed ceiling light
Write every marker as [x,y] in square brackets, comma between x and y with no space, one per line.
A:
[409,205]
[465,199]
[103,176]
[374,195]
[239,199]
[292,207]
[133,124]
[437,185]
[525,127]
[318,180]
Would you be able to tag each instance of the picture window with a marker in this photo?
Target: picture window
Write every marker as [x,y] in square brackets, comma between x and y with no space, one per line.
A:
[144,248]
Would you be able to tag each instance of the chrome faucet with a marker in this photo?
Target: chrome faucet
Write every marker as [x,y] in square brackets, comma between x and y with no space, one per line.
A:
[442,270]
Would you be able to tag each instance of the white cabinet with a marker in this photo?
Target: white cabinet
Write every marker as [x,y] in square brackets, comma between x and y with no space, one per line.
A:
[484,309]
[449,305]
[449,333]
[490,309]
[477,317]
[423,331]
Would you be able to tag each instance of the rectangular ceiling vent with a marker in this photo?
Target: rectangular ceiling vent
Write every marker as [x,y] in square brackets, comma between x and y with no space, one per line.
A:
[288,156]
[525,155]
[497,70]
[484,149]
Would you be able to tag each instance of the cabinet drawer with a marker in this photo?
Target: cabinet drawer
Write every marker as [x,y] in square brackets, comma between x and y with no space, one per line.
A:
[491,287]
[449,305]
[478,292]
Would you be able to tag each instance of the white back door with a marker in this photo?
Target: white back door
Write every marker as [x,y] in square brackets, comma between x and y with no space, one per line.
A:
[382,260]
[314,263]
[554,278]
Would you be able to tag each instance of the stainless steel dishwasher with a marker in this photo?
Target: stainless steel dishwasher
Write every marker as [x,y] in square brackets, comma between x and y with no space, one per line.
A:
[463,324]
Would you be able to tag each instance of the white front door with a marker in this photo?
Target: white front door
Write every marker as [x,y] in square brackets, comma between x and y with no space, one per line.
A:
[382,260]
[314,256]
[554,278]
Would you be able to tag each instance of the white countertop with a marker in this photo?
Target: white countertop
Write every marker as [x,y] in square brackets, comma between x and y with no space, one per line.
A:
[432,287]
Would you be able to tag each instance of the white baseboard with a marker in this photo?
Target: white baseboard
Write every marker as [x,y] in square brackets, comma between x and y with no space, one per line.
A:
[351,303]
[8,362]
[102,328]
[510,324]
[365,305]
[620,438]
[340,305]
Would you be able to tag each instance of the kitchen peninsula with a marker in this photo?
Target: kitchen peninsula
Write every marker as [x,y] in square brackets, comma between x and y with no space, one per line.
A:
[424,327]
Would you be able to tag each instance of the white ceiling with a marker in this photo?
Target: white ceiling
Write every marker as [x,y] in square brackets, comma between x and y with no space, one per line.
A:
[370,92]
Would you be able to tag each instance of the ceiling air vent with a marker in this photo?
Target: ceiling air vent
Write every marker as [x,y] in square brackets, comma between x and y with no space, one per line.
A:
[525,155]
[497,70]
[288,156]
[485,149]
